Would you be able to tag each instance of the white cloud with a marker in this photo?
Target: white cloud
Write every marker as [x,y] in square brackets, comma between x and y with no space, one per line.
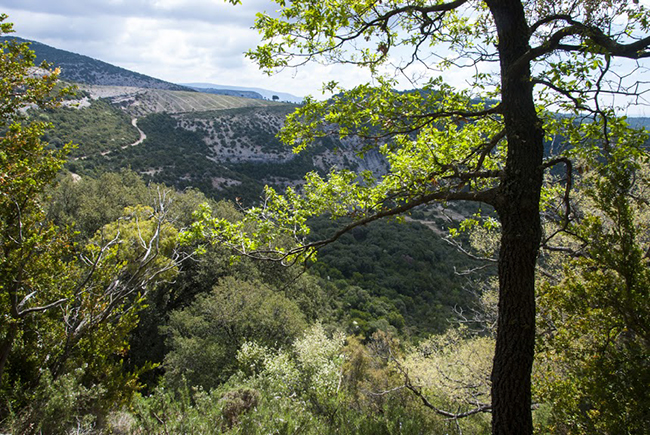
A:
[180,41]
[175,40]
[195,10]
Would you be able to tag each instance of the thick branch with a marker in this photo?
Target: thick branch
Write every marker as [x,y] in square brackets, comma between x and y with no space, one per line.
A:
[488,147]
[424,10]
[547,20]
[607,44]
[486,196]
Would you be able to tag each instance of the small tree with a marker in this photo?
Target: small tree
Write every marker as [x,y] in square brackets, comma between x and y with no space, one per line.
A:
[484,144]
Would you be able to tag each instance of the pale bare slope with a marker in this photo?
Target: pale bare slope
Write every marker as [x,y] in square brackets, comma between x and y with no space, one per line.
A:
[141,101]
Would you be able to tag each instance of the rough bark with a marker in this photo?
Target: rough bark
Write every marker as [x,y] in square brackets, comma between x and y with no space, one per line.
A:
[518,208]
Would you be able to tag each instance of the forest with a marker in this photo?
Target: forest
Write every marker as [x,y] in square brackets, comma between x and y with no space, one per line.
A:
[396,302]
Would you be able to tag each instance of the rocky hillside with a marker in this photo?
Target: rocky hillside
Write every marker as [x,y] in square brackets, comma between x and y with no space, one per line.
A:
[225,153]
[224,145]
[143,101]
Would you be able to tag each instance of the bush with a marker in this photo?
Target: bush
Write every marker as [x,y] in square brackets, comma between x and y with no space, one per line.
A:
[204,338]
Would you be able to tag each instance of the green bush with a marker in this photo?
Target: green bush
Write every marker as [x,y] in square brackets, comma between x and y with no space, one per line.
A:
[60,405]
[204,337]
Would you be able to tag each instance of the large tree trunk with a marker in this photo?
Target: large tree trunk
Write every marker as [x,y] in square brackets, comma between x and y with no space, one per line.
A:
[518,208]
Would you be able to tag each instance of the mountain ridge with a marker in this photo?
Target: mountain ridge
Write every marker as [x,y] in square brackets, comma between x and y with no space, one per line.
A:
[266,93]
[79,68]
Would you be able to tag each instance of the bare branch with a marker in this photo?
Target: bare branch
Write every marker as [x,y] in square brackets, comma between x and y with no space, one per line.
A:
[481,408]
[42,308]
[460,248]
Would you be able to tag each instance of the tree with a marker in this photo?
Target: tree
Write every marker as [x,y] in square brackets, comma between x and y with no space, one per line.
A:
[66,306]
[483,144]
[205,337]
[30,250]
[594,317]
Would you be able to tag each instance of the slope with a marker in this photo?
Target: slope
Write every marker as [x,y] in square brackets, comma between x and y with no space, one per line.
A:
[78,68]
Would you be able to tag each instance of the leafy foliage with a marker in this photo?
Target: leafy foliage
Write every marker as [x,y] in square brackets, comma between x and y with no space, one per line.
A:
[86,204]
[67,306]
[398,274]
[31,255]
[594,351]
[318,385]
[205,336]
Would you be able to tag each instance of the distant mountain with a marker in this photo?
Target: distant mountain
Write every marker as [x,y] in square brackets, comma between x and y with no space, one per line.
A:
[639,121]
[281,96]
[86,70]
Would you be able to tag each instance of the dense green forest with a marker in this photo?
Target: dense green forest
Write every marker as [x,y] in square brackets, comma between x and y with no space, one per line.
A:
[134,299]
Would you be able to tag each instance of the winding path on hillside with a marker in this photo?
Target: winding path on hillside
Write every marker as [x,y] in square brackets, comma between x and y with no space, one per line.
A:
[143,136]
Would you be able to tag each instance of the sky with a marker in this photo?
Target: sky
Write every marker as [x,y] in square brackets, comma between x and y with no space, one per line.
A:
[180,41]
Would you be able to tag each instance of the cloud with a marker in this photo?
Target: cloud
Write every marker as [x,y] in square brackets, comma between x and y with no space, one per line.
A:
[213,11]
[42,26]
[180,41]
[178,35]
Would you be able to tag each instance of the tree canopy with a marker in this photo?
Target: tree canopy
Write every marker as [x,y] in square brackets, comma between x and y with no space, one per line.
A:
[487,142]
[67,305]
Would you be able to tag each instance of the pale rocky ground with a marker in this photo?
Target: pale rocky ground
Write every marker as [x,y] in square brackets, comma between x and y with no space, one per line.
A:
[142,101]
[226,145]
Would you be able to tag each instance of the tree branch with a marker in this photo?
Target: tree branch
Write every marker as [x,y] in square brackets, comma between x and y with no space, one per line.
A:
[481,408]
[634,50]
[486,196]
[567,93]
[42,308]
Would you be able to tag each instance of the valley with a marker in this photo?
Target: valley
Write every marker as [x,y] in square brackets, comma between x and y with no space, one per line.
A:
[227,148]
[168,265]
